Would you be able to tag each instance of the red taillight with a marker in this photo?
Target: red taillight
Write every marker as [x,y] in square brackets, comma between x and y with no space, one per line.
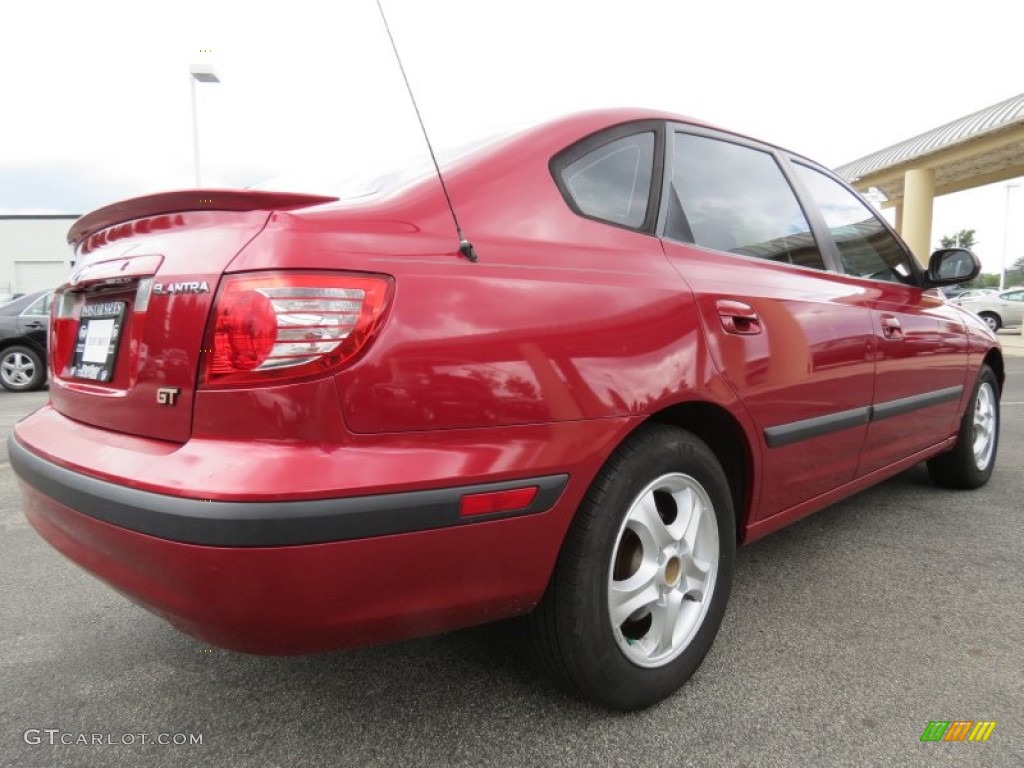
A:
[63,331]
[244,331]
[278,325]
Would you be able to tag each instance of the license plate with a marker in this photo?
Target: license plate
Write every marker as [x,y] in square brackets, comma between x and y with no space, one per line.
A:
[99,330]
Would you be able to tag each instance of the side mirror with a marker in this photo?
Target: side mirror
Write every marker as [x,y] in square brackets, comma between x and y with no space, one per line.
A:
[949,266]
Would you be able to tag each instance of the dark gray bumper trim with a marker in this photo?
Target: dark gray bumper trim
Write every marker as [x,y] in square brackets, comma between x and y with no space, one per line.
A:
[265,523]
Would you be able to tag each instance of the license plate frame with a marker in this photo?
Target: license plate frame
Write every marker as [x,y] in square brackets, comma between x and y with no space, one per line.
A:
[97,341]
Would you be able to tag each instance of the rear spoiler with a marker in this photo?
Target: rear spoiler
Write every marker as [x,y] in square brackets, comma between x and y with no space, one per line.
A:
[189,200]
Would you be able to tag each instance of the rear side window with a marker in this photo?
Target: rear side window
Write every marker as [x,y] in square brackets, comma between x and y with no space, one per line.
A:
[613,181]
[734,198]
[40,306]
[866,247]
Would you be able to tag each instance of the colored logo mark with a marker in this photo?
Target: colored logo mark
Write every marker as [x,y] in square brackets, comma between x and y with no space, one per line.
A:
[958,730]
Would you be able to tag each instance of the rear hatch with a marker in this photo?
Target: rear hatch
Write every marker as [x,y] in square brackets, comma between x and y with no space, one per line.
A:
[128,327]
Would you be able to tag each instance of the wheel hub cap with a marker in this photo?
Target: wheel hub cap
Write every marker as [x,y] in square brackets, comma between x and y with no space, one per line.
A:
[672,569]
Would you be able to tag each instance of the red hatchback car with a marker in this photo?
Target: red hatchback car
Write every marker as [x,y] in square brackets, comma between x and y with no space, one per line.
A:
[287,423]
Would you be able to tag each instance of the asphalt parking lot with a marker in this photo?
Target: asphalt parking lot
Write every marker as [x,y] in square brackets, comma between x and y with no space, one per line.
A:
[846,634]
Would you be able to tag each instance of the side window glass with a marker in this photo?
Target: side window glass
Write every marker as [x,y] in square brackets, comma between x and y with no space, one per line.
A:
[1016,296]
[736,199]
[40,306]
[613,182]
[865,245]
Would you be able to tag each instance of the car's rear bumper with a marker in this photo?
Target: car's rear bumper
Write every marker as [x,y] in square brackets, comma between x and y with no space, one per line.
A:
[294,575]
[268,523]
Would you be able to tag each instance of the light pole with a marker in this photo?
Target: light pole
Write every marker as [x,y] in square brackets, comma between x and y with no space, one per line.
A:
[1006,234]
[200,73]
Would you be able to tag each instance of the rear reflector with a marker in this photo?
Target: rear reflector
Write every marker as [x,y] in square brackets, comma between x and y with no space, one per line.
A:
[270,326]
[497,501]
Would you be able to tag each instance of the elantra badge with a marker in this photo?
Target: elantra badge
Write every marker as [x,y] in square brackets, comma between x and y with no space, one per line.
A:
[170,289]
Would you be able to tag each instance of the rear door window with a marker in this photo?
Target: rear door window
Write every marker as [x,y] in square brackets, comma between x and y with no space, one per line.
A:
[40,306]
[735,198]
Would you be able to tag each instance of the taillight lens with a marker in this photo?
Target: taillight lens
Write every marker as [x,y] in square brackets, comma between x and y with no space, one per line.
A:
[278,325]
[63,331]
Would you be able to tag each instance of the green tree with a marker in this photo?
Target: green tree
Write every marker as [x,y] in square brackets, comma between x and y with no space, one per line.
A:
[984,280]
[962,239]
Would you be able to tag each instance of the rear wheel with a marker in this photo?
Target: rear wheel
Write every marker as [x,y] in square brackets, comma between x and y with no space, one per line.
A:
[992,320]
[970,463]
[21,369]
[644,575]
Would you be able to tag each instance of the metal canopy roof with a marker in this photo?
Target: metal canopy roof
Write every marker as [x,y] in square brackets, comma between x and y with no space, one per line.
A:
[981,148]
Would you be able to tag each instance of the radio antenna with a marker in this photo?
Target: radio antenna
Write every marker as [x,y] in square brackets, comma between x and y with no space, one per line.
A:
[465,247]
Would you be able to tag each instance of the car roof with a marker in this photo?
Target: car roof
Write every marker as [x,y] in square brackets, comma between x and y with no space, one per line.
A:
[19,305]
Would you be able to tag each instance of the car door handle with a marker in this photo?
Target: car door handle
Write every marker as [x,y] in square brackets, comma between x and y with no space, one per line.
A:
[891,328]
[738,318]
[35,324]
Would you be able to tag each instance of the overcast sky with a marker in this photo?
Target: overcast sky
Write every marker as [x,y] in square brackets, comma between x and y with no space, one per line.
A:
[96,103]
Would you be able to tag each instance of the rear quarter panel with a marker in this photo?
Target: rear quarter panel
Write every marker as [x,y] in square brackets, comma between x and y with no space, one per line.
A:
[511,343]
[563,318]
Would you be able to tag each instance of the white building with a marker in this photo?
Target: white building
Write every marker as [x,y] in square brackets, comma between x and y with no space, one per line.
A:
[34,252]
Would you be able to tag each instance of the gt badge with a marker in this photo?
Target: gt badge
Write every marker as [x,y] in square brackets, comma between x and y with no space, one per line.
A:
[167,395]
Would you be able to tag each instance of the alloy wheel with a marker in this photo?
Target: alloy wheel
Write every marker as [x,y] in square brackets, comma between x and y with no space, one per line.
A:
[663,570]
[984,425]
[17,369]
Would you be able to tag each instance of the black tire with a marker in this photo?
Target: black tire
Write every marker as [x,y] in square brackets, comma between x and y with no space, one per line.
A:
[572,628]
[21,369]
[992,319]
[969,465]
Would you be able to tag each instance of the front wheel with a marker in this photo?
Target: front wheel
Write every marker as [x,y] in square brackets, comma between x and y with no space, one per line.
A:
[641,584]
[969,465]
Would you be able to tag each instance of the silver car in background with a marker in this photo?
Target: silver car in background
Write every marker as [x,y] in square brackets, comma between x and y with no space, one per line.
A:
[973,293]
[999,310]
